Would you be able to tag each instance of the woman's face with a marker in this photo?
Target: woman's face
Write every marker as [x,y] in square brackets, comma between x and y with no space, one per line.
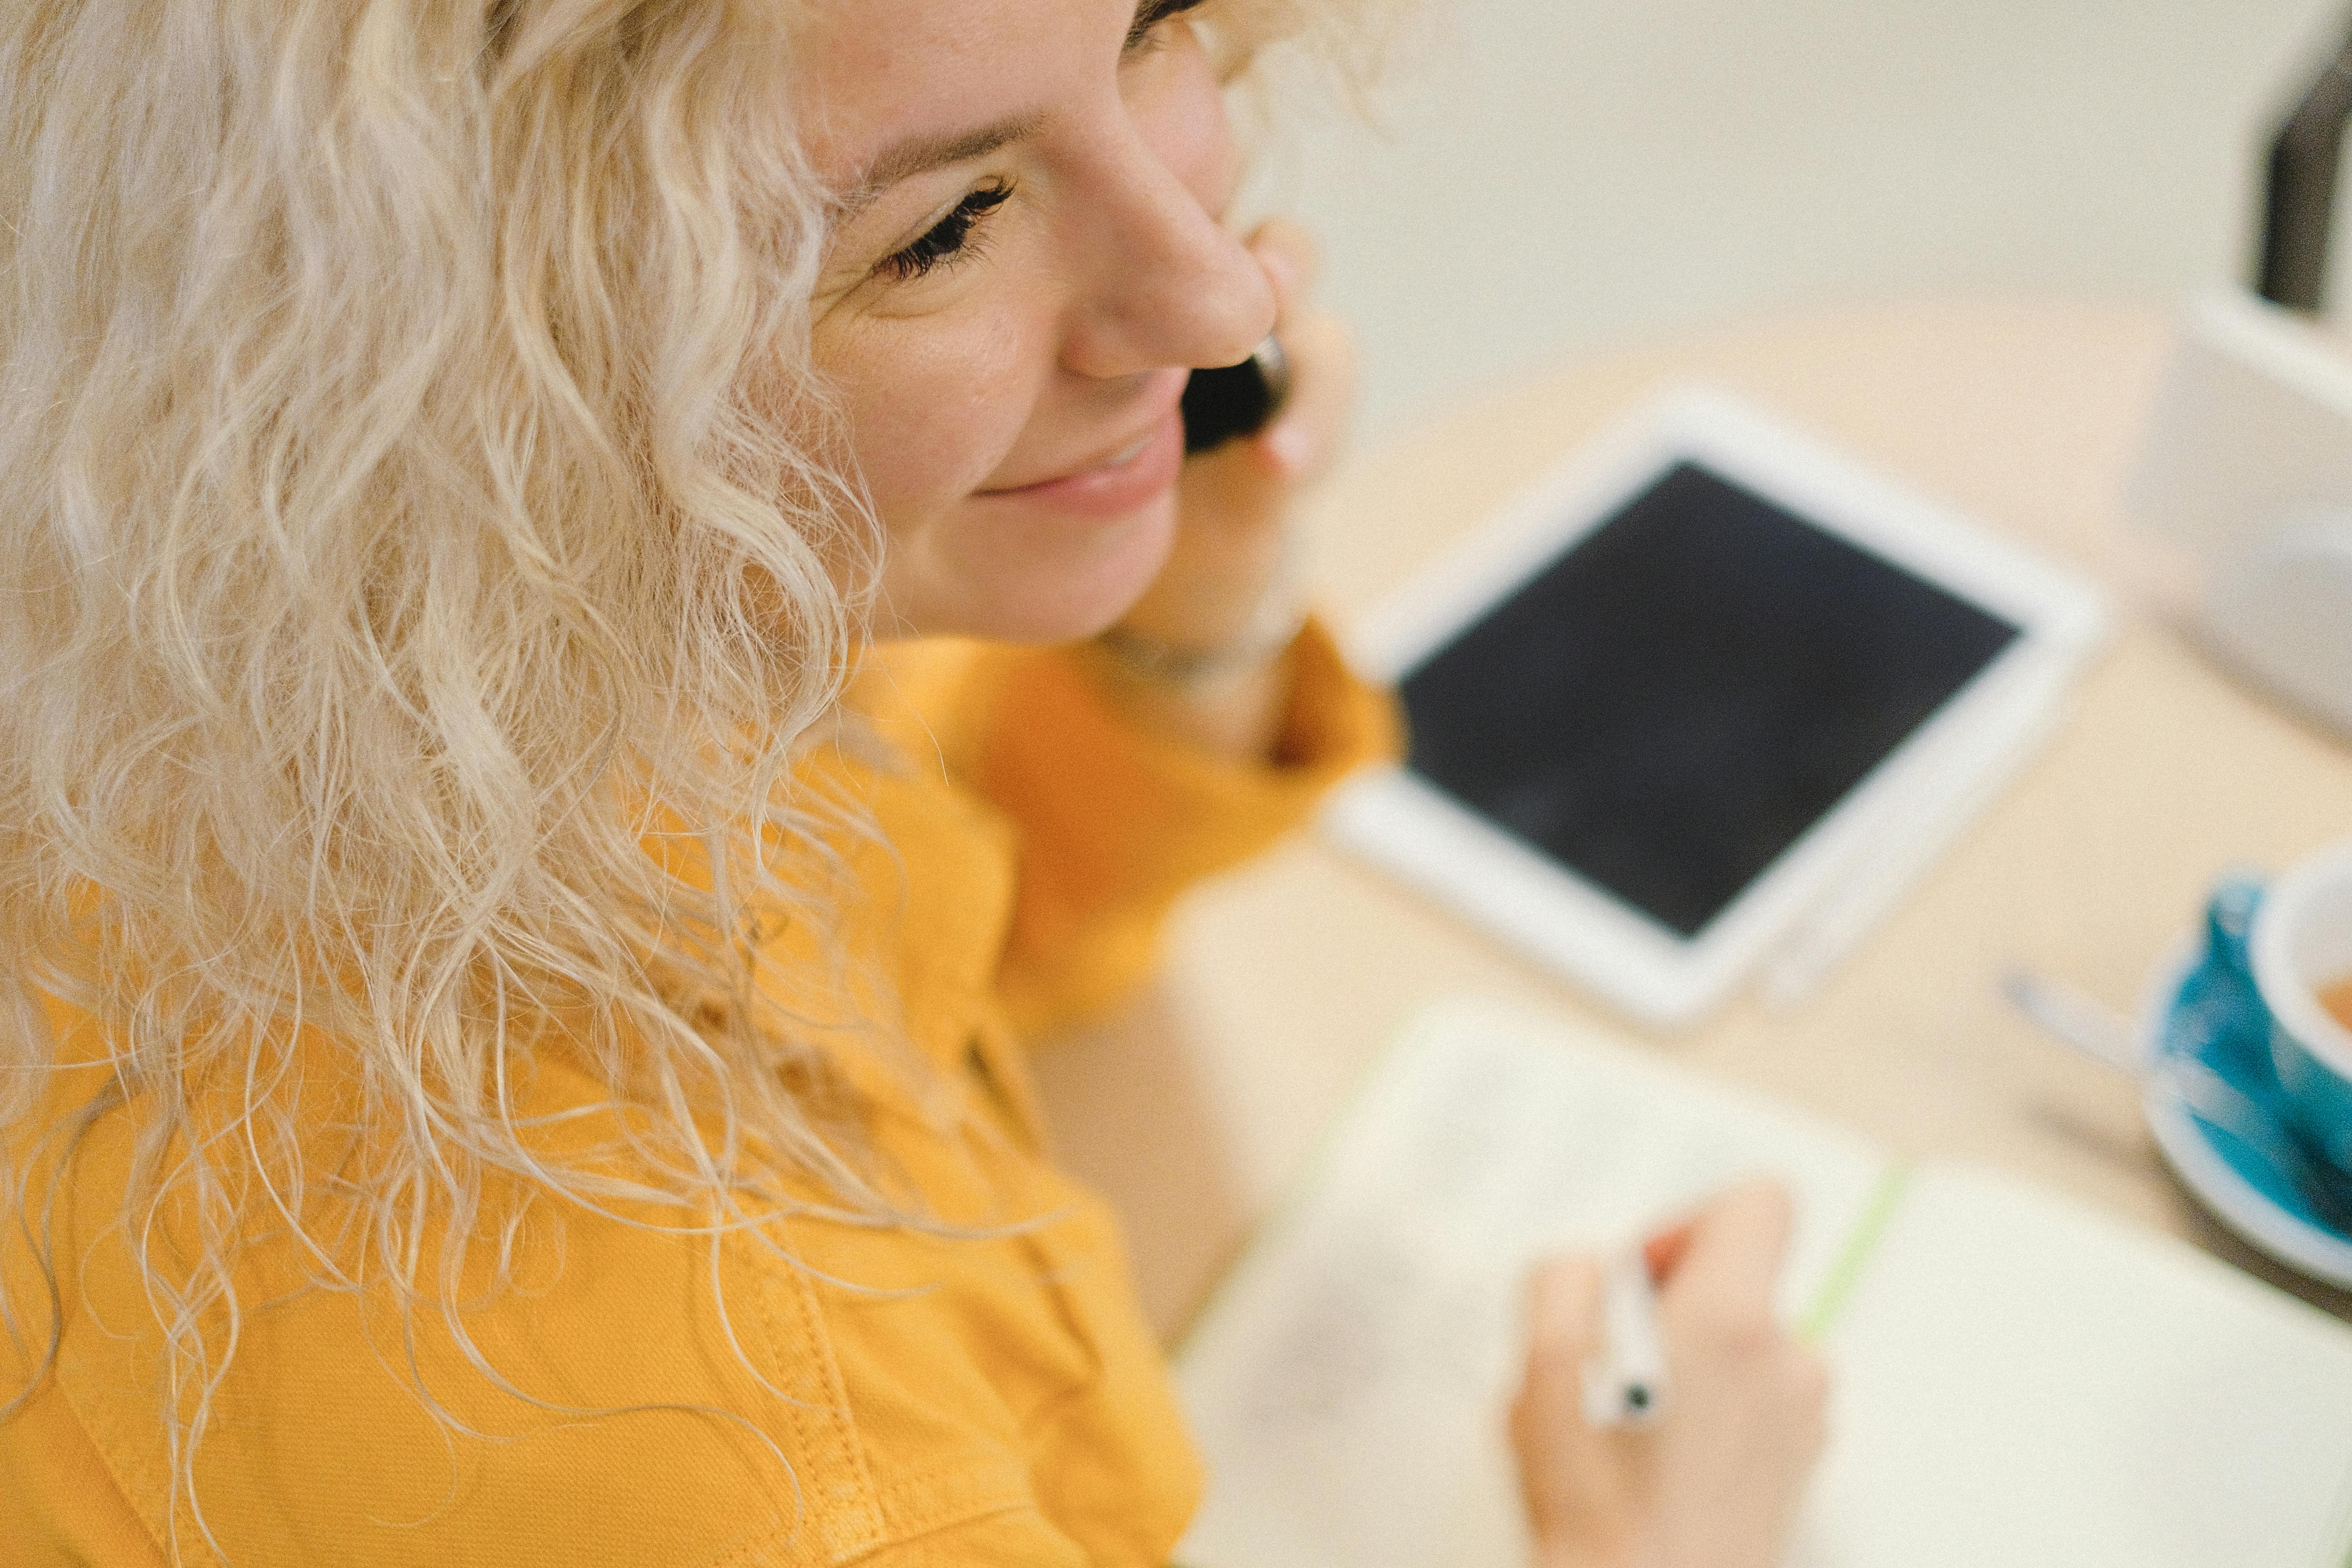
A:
[1028,260]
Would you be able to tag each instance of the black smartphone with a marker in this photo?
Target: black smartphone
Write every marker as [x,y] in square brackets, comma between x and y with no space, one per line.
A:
[1236,399]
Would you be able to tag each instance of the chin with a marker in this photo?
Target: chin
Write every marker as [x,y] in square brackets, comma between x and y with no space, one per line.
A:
[1055,596]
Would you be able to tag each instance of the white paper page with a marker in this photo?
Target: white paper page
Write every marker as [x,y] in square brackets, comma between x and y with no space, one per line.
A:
[2019,1382]
[1348,1385]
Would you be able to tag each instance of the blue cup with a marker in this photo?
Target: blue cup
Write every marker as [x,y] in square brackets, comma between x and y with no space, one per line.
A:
[2301,944]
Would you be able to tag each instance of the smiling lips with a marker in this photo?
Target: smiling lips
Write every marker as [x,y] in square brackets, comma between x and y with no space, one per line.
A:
[1116,486]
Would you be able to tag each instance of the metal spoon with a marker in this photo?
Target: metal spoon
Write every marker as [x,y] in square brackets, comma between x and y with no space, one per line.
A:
[2101,1033]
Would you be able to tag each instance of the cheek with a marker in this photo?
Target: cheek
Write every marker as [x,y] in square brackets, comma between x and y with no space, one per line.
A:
[932,407]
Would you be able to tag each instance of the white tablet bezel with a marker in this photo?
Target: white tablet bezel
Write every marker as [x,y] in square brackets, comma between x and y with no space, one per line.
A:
[1430,841]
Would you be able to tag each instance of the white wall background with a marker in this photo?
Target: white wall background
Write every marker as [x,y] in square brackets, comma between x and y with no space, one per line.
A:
[1558,174]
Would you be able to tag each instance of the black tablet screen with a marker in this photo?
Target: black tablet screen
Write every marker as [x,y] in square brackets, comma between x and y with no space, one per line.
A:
[1677,697]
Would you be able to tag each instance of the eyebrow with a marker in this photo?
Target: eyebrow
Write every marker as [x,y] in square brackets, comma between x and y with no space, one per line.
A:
[921,155]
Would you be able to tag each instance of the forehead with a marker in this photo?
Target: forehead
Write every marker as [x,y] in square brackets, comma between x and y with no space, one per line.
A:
[871,73]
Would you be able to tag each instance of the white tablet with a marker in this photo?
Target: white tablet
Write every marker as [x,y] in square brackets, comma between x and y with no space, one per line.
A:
[1690,684]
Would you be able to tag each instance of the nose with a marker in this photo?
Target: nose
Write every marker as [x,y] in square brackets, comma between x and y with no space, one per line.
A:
[1162,284]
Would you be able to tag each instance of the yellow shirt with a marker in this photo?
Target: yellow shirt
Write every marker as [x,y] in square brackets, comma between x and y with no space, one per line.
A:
[899,1398]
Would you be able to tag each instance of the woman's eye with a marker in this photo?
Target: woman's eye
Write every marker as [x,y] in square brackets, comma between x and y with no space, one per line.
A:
[1149,16]
[950,239]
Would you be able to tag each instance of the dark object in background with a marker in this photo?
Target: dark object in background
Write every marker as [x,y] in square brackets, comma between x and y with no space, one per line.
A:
[1236,399]
[1686,689]
[2300,203]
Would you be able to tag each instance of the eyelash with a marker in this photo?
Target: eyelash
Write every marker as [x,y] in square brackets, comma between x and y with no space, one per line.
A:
[948,241]
[951,240]
[1148,20]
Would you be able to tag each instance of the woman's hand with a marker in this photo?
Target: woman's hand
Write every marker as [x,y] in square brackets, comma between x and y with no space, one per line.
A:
[1235,501]
[1234,504]
[1716,1480]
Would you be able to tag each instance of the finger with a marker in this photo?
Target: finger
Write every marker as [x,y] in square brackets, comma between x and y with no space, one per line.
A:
[1662,1254]
[1736,1248]
[1564,1311]
[1292,261]
[1666,1249]
[1303,437]
[1558,1449]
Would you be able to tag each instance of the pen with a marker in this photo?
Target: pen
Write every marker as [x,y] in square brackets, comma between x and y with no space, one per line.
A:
[1625,1384]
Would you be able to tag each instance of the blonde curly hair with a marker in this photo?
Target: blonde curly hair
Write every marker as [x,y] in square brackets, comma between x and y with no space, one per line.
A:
[419,502]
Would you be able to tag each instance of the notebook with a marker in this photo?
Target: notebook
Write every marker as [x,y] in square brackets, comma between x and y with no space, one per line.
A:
[2016,1381]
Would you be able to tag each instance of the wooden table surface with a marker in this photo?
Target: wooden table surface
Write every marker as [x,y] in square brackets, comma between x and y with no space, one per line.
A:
[1196,1106]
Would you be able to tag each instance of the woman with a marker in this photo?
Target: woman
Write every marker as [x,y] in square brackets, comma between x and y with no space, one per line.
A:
[519,914]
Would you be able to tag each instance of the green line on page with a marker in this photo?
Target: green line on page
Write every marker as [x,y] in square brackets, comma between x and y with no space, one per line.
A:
[1837,1285]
